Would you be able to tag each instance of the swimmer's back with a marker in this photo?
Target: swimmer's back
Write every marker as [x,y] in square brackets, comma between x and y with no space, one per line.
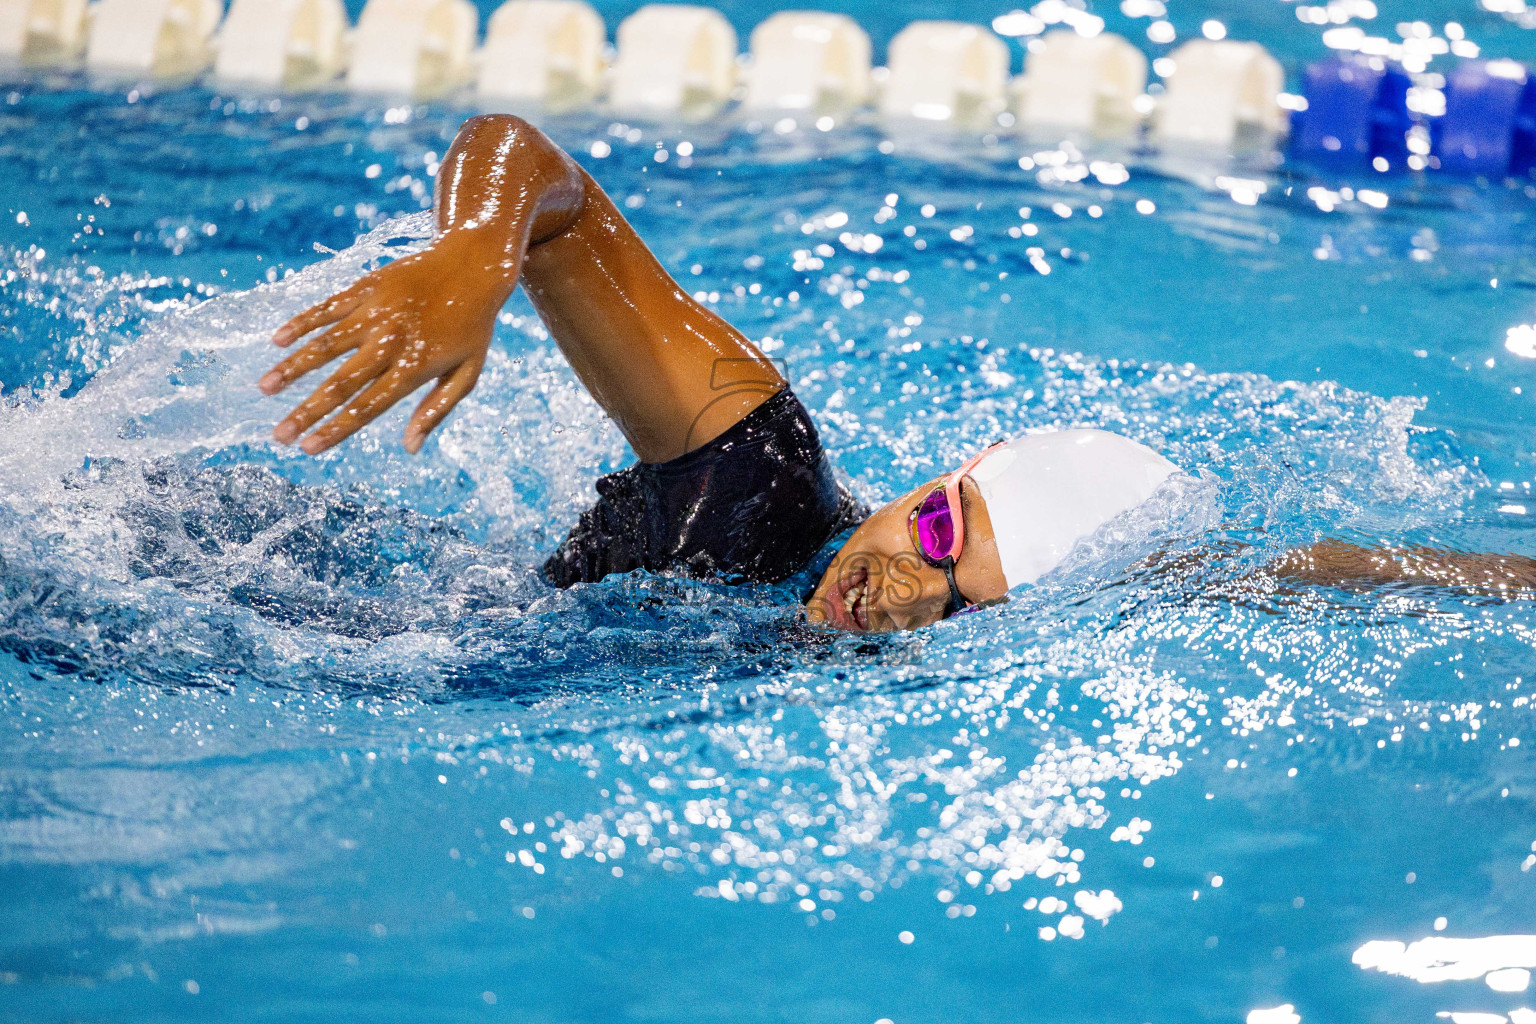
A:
[753,505]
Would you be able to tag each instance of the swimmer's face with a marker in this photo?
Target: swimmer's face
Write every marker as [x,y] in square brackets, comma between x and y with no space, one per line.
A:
[878,582]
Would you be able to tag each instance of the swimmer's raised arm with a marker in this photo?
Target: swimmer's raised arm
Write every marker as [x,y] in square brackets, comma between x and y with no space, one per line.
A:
[512,207]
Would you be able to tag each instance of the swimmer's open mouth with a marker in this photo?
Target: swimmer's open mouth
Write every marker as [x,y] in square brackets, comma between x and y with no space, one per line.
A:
[847,604]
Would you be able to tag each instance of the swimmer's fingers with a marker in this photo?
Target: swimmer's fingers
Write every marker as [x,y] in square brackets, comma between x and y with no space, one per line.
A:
[313,355]
[317,316]
[361,411]
[440,402]
[347,381]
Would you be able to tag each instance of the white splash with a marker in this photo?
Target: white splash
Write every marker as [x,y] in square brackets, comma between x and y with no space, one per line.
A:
[1439,958]
[1100,906]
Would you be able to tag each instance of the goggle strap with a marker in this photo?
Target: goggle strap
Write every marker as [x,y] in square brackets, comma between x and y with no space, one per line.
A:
[956,506]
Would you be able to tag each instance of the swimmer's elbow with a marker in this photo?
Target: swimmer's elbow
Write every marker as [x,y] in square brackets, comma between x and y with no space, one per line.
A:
[495,122]
[504,137]
[496,161]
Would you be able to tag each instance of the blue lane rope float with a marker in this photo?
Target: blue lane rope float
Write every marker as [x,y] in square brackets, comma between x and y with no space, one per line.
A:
[1357,110]
[1522,150]
[1487,127]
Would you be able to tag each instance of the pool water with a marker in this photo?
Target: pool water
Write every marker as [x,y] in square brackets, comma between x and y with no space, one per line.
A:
[294,739]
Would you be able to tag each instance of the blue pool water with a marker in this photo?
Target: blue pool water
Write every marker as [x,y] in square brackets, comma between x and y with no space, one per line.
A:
[292,739]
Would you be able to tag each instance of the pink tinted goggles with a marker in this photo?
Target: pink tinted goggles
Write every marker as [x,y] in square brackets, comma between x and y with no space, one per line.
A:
[938,528]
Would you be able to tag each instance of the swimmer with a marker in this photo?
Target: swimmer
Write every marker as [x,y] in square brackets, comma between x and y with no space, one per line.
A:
[732,482]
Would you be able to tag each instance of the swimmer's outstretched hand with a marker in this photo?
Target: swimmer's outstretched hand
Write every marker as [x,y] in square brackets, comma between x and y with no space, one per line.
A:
[408,323]
[502,188]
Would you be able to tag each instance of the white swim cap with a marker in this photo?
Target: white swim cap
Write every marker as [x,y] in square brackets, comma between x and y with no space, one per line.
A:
[1046,492]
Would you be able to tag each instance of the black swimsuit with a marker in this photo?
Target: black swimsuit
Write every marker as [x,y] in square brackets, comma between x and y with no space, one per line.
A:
[753,505]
